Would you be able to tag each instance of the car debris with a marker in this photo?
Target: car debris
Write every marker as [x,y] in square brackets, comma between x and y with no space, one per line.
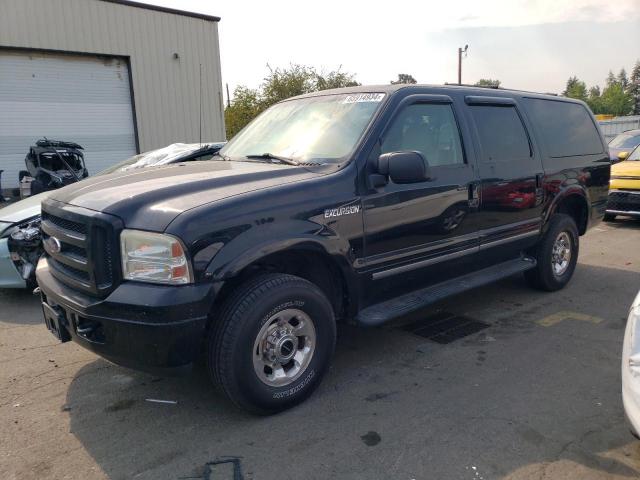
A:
[24,243]
[53,164]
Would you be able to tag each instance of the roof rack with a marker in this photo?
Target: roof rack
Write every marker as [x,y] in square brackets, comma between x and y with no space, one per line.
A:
[494,87]
[45,142]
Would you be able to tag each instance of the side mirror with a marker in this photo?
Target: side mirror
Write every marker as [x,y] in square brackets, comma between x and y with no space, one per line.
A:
[404,167]
[623,156]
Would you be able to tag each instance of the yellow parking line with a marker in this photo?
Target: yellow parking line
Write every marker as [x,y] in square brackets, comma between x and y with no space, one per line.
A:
[566,315]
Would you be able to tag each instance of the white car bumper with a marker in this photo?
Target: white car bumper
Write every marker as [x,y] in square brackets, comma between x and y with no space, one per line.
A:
[631,367]
[9,275]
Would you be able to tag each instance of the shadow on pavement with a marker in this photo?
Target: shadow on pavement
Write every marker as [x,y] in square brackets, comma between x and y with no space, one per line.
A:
[20,306]
[395,405]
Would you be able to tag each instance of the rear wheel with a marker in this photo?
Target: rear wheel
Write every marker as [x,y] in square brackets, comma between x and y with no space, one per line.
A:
[272,343]
[556,254]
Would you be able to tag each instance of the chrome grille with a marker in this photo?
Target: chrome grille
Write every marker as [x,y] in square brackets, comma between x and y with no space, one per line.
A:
[81,255]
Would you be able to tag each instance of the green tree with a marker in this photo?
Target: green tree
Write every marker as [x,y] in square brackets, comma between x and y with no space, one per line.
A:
[622,78]
[634,88]
[245,106]
[278,85]
[576,89]
[404,78]
[335,79]
[594,100]
[615,100]
[488,82]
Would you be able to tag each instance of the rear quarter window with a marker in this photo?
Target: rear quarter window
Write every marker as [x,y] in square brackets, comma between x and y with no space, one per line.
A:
[566,128]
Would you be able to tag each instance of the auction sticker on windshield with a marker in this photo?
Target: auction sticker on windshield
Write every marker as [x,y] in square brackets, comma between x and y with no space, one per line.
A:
[364,97]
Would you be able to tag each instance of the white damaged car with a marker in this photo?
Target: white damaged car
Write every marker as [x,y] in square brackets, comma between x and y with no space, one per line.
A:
[631,368]
[20,240]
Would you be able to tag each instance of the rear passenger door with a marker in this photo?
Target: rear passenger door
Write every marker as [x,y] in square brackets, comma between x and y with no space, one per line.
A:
[511,177]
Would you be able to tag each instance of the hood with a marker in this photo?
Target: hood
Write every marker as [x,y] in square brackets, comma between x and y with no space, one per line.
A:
[629,168]
[150,199]
[23,209]
[625,175]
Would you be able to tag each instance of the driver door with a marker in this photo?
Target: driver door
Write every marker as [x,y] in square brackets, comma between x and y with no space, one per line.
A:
[425,232]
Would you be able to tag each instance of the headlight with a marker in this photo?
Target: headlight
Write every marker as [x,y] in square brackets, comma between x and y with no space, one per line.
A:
[154,258]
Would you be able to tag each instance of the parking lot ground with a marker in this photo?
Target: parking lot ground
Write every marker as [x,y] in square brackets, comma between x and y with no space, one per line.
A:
[535,395]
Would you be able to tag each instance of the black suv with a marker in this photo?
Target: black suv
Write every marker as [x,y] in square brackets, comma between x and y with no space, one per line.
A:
[359,204]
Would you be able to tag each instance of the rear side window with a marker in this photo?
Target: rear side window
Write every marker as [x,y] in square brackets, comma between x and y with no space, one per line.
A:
[566,128]
[502,135]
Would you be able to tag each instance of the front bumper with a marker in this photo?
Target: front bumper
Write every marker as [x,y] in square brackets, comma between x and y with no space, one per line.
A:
[624,202]
[9,275]
[631,368]
[141,326]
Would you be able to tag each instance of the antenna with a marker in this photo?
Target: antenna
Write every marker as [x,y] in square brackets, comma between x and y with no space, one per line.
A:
[200,105]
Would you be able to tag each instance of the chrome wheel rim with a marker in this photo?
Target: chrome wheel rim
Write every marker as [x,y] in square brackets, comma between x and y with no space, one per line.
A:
[284,347]
[561,253]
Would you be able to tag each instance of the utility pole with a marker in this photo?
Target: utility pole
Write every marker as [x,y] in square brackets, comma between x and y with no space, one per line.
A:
[460,52]
[228,97]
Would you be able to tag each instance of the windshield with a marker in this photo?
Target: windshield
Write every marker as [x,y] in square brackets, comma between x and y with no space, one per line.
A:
[321,129]
[635,155]
[161,156]
[625,140]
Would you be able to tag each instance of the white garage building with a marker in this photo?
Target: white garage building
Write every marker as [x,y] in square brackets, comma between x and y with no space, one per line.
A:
[115,76]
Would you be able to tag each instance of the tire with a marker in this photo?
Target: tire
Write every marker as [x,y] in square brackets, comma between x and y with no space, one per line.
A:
[247,331]
[609,217]
[561,228]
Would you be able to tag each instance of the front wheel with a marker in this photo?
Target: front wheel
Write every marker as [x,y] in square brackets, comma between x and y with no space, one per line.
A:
[556,254]
[272,343]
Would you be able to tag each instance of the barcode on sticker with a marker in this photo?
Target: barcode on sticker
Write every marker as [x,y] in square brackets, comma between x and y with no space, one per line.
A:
[364,97]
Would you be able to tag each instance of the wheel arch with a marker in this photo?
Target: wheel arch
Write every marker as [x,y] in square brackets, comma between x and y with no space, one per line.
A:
[303,257]
[575,203]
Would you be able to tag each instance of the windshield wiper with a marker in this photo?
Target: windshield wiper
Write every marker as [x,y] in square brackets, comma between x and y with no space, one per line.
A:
[270,156]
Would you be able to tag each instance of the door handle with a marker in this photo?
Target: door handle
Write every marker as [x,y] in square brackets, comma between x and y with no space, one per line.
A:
[474,198]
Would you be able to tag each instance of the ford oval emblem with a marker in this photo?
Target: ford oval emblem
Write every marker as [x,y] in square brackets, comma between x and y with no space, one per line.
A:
[53,245]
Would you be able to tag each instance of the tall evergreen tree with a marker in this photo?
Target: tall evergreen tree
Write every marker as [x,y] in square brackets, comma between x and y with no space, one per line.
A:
[576,89]
[623,80]
[634,88]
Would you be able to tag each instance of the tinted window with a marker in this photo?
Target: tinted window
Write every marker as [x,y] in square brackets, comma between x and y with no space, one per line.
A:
[430,129]
[625,140]
[566,128]
[502,135]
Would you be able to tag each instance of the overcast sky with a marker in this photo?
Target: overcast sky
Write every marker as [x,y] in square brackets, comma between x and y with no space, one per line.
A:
[527,44]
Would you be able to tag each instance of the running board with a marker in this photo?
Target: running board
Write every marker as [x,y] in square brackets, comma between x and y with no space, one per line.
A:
[383,312]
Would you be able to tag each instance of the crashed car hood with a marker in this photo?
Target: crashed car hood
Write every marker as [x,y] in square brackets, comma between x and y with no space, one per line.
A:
[24,209]
[150,199]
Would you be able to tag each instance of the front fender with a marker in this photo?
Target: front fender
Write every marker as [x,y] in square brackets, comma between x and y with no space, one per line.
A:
[257,243]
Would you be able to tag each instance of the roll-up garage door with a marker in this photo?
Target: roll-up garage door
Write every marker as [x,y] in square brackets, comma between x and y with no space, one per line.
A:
[77,98]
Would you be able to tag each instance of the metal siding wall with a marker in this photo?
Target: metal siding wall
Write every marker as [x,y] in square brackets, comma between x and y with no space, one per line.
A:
[65,97]
[615,126]
[166,90]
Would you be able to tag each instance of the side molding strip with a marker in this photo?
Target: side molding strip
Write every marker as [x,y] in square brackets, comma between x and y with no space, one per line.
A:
[450,256]
[424,263]
[495,243]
